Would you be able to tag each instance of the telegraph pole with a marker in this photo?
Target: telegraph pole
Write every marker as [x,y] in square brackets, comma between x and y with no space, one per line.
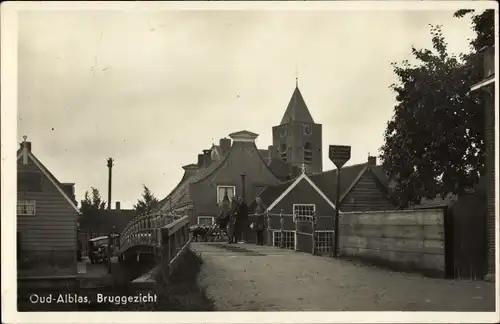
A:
[110,235]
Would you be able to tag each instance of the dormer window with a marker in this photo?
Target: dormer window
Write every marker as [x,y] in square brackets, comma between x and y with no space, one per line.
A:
[307,129]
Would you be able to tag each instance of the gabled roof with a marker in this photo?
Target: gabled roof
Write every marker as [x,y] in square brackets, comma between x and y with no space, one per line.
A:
[297,110]
[326,182]
[302,177]
[349,176]
[50,176]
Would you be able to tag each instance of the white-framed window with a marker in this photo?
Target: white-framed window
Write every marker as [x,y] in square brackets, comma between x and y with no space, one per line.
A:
[223,190]
[324,241]
[26,207]
[304,209]
[288,239]
[205,220]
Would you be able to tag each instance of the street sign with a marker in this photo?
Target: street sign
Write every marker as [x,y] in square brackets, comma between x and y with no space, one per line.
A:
[339,154]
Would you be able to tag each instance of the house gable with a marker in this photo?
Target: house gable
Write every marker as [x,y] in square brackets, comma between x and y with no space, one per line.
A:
[35,165]
[367,193]
[303,193]
[53,225]
[242,158]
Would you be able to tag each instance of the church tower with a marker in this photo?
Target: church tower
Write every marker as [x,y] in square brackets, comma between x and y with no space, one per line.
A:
[298,139]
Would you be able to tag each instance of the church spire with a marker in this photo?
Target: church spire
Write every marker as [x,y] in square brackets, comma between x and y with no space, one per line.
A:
[297,109]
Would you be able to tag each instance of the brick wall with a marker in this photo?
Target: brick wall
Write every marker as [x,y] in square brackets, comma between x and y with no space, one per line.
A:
[490,169]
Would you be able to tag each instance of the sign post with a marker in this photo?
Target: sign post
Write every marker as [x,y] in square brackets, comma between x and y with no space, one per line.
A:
[339,155]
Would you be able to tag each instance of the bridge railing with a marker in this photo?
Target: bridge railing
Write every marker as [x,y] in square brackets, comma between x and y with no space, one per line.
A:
[145,230]
[175,240]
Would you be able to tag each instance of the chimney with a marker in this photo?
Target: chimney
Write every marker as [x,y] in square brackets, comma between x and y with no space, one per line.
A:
[372,160]
[244,136]
[225,144]
[207,157]
[117,205]
[26,148]
[69,188]
[190,169]
[200,160]
[27,145]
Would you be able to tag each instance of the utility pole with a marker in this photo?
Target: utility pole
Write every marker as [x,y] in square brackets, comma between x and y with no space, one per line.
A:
[110,235]
[110,167]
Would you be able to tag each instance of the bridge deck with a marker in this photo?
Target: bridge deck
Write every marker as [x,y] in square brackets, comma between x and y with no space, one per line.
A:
[246,277]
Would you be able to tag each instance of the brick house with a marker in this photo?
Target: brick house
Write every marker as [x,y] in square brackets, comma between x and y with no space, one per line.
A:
[46,220]
[487,86]
[239,171]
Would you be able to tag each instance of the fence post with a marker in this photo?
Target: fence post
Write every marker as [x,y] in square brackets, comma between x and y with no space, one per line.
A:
[296,223]
[282,241]
[269,232]
[314,233]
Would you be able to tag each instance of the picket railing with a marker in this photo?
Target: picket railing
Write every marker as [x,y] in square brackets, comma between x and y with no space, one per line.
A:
[301,225]
[146,230]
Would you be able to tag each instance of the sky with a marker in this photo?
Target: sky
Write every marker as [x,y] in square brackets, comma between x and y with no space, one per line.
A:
[153,89]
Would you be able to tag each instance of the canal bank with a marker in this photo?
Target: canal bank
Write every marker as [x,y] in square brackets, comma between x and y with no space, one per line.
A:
[95,290]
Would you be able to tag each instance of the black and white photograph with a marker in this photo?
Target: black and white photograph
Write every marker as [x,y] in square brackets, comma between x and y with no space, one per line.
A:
[249,161]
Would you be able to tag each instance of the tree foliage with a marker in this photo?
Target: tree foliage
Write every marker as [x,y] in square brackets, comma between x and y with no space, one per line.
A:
[92,208]
[148,202]
[434,144]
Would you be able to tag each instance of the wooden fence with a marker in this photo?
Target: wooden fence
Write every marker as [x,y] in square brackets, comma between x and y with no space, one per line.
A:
[404,239]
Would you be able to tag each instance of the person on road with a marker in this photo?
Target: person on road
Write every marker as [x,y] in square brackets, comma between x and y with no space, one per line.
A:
[242,220]
[259,224]
[223,215]
[231,224]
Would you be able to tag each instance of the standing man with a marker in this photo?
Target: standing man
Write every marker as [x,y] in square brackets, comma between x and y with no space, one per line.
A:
[260,210]
[232,221]
[242,219]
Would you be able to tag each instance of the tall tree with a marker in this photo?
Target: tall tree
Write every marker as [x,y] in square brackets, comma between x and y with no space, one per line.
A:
[434,143]
[148,202]
[92,208]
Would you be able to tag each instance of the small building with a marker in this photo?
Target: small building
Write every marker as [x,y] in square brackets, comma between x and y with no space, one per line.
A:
[46,220]
[363,187]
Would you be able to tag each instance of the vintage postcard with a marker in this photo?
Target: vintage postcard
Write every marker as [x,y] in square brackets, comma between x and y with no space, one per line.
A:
[249,162]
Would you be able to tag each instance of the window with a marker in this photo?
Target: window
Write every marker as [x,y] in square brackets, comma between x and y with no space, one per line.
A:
[283,152]
[307,129]
[324,241]
[288,239]
[307,153]
[304,209]
[29,181]
[230,191]
[26,207]
[205,220]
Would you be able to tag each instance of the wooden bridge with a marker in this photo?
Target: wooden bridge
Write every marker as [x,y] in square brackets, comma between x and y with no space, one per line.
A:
[164,237]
